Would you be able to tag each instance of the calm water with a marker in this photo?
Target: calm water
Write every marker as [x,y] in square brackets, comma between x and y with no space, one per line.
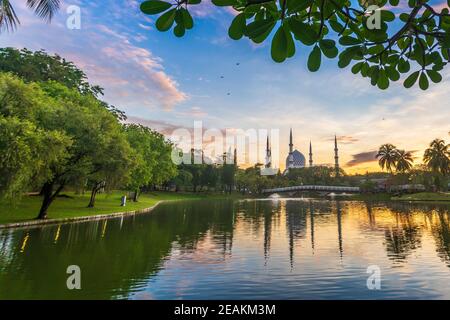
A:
[287,249]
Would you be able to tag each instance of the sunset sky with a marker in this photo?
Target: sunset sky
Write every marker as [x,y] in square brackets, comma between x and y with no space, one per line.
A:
[168,83]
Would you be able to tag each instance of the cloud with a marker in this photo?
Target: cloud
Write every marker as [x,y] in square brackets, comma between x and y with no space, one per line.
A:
[344,139]
[363,157]
[112,57]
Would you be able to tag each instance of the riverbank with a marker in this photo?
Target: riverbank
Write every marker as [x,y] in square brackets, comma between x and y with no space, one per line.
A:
[425,196]
[72,206]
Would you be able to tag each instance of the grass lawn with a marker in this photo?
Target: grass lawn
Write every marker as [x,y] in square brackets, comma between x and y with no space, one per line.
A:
[76,206]
[424,196]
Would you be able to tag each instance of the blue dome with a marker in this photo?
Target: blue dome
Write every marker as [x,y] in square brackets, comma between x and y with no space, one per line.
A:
[298,160]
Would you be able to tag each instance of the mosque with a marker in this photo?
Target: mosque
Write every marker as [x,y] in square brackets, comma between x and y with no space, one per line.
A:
[296,159]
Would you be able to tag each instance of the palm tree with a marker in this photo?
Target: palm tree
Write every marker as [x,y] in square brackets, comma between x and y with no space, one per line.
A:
[387,156]
[403,161]
[44,9]
[437,157]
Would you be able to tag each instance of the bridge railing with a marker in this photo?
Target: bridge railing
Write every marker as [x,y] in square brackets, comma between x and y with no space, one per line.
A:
[313,188]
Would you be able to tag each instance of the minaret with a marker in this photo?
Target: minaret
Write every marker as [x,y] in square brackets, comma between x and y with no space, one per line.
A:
[235,157]
[291,150]
[291,145]
[310,155]
[268,154]
[336,156]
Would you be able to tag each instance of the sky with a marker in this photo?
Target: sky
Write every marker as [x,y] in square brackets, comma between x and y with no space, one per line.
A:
[168,83]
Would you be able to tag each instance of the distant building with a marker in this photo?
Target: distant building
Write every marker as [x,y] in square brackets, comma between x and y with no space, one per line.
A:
[295,158]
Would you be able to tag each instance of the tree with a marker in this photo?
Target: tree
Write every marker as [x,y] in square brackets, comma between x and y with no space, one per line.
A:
[26,154]
[153,158]
[41,67]
[437,157]
[209,176]
[228,176]
[75,128]
[381,44]
[45,9]
[387,156]
[182,179]
[113,162]
[403,161]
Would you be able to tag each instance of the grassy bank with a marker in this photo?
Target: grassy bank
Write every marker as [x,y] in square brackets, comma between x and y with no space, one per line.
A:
[424,196]
[76,205]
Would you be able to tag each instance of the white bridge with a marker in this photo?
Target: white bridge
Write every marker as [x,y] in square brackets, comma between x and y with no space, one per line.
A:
[313,188]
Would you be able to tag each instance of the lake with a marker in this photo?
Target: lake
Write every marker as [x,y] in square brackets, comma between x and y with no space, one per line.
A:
[230,249]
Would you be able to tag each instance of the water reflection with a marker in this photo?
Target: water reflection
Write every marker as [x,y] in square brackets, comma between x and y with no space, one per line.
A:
[247,249]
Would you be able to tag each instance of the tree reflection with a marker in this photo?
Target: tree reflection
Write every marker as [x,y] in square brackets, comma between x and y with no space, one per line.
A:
[441,233]
[119,257]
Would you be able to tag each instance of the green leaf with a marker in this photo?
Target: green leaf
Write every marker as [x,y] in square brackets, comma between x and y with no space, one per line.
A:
[179,30]
[154,6]
[303,32]
[328,48]
[365,69]
[194,1]
[165,21]
[434,75]
[404,17]
[314,60]
[297,5]
[357,67]
[383,81]
[411,80]
[179,17]
[423,81]
[336,26]
[279,45]
[237,27]
[392,73]
[224,3]
[290,43]
[374,75]
[187,19]
[387,16]
[349,41]
[259,28]
[346,56]
[403,66]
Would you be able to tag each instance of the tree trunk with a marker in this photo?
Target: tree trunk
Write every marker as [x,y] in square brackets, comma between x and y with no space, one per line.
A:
[93,194]
[46,191]
[136,195]
[49,197]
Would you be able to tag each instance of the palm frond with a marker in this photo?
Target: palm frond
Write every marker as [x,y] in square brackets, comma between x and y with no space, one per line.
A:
[8,17]
[44,9]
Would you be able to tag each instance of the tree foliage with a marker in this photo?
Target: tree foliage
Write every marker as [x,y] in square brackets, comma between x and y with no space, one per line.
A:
[437,157]
[45,9]
[62,138]
[153,157]
[415,43]
[39,66]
